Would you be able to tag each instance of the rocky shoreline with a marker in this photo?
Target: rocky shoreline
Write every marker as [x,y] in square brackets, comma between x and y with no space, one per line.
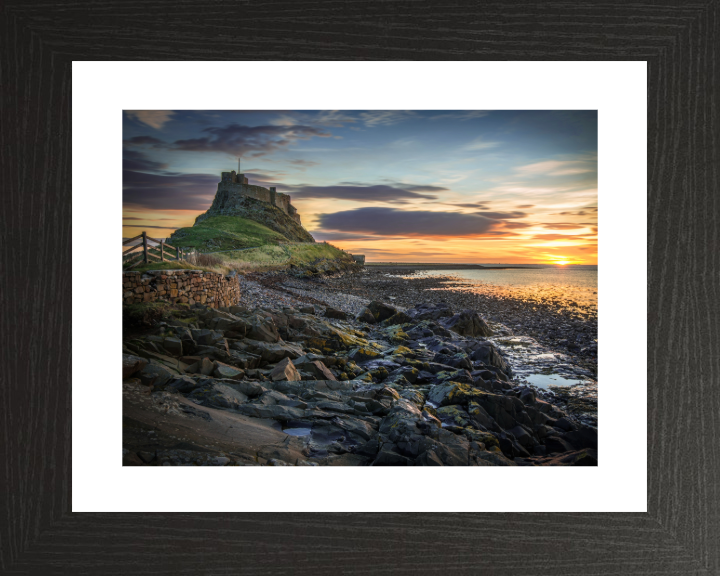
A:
[359,368]
[560,324]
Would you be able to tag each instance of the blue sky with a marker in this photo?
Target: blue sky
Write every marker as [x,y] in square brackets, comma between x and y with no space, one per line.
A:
[455,186]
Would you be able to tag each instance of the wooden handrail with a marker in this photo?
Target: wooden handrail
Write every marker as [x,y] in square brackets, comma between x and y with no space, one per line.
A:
[131,239]
[131,249]
[150,253]
[129,257]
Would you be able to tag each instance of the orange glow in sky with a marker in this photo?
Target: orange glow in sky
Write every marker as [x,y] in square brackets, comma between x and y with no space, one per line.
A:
[400,186]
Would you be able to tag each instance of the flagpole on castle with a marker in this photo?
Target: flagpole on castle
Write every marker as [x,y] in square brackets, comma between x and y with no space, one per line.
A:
[238,165]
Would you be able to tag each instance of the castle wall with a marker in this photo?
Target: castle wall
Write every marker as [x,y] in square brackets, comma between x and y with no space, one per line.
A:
[229,192]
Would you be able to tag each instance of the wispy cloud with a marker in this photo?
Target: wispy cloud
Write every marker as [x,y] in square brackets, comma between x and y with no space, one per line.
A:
[385,117]
[154,118]
[479,143]
[149,226]
[471,205]
[530,190]
[563,226]
[460,115]
[134,160]
[303,163]
[555,168]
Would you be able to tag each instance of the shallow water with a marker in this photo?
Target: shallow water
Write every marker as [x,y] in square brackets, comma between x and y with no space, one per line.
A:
[552,374]
[546,380]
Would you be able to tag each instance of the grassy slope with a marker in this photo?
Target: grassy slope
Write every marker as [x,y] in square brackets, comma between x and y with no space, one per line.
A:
[268,257]
[257,245]
[172,265]
[225,233]
[276,257]
[264,214]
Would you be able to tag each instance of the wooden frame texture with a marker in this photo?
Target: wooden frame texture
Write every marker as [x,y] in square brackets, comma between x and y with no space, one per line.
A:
[680,534]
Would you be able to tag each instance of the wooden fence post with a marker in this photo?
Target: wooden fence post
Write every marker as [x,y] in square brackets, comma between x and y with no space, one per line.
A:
[162,250]
[145,251]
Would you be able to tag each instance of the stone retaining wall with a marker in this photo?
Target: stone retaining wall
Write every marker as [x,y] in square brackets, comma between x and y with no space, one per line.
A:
[187,286]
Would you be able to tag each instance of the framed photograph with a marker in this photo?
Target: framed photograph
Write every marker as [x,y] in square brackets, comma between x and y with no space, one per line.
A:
[285,300]
[373,315]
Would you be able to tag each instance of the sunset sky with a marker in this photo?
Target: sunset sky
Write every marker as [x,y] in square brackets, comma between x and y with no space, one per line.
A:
[412,186]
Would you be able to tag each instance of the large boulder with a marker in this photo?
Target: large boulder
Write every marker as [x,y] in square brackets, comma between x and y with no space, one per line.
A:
[156,374]
[467,323]
[435,453]
[367,317]
[493,458]
[206,366]
[226,371]
[557,444]
[249,388]
[397,318]
[263,329]
[459,360]
[317,369]
[507,411]
[487,354]
[132,364]
[450,393]
[480,417]
[584,437]
[285,370]
[273,412]
[453,415]
[173,346]
[188,344]
[363,354]
[430,311]
[206,337]
[336,314]
[523,436]
[229,323]
[388,456]
[380,310]
[274,352]
[183,384]
[217,395]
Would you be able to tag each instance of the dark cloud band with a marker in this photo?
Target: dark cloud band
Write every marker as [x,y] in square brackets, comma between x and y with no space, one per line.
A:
[378,193]
[393,222]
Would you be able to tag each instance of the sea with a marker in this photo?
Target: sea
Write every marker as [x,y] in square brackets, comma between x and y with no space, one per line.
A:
[572,284]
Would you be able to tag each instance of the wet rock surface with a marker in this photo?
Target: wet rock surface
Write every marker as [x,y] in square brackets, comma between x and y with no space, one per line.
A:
[302,372]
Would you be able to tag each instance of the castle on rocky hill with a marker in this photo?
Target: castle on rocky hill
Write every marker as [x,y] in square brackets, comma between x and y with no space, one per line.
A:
[233,186]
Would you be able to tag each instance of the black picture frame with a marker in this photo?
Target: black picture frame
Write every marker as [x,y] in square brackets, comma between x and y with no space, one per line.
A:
[680,533]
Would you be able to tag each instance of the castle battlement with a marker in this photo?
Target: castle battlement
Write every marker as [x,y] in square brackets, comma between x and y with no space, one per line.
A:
[233,186]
